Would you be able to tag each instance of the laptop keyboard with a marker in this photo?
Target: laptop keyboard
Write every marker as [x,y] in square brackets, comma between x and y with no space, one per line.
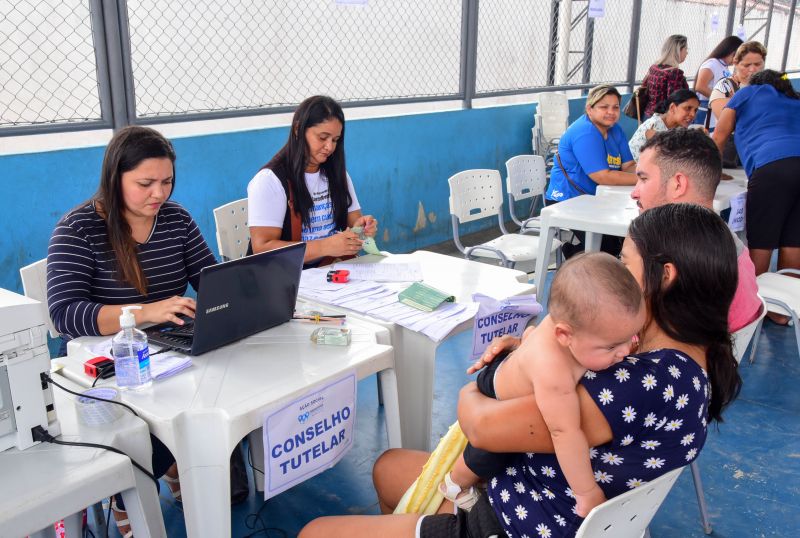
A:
[179,331]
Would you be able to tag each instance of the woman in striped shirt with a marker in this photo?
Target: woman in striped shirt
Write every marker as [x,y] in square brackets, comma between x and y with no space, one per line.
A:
[127,245]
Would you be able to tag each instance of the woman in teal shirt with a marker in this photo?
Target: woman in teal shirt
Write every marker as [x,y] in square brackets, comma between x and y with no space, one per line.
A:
[593,151]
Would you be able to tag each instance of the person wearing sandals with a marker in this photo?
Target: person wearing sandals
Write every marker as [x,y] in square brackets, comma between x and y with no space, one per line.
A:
[129,244]
[678,110]
[572,339]
[644,416]
[592,151]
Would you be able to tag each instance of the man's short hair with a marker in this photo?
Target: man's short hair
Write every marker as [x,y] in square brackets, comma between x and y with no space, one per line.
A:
[591,285]
[690,151]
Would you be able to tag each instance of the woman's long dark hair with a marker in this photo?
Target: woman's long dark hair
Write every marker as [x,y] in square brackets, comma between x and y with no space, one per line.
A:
[126,151]
[725,48]
[294,156]
[694,308]
[779,81]
[677,97]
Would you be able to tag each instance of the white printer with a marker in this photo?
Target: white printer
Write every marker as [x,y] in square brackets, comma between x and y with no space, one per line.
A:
[26,400]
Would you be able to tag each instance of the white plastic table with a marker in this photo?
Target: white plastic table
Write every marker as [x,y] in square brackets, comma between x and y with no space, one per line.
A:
[726,190]
[47,482]
[204,411]
[415,353]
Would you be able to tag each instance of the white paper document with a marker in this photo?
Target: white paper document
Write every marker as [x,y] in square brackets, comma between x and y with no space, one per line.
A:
[383,272]
[167,364]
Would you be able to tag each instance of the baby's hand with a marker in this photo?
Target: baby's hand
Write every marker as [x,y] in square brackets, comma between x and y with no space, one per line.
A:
[587,501]
[499,345]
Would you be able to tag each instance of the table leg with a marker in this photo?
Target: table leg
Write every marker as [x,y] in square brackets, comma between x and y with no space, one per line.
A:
[387,380]
[543,257]
[414,355]
[140,523]
[203,449]
[593,241]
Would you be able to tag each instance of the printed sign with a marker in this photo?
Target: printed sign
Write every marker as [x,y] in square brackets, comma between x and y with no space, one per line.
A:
[597,9]
[714,23]
[736,219]
[497,318]
[309,435]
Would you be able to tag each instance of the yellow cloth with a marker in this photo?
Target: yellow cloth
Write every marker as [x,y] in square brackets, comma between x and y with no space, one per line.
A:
[423,496]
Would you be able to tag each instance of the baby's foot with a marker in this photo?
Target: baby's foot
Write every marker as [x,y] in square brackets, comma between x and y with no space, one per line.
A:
[464,499]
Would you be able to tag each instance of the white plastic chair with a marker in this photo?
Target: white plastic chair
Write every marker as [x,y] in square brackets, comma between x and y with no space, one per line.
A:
[478,194]
[525,178]
[550,121]
[782,295]
[629,514]
[233,235]
[741,339]
[34,285]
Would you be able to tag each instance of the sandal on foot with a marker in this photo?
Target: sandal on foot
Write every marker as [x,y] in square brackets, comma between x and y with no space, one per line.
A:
[171,482]
[121,519]
[464,499]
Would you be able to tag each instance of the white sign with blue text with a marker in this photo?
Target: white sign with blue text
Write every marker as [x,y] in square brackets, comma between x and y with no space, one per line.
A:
[498,318]
[309,435]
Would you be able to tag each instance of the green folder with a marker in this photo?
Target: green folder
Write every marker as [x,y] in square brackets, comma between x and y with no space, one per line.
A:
[423,297]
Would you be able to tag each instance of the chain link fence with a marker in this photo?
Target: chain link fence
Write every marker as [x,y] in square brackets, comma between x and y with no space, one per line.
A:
[47,63]
[214,55]
[216,58]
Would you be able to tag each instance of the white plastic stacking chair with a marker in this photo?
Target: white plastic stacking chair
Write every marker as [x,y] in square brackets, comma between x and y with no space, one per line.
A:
[233,235]
[478,194]
[34,285]
[781,291]
[629,514]
[526,178]
[552,118]
[741,339]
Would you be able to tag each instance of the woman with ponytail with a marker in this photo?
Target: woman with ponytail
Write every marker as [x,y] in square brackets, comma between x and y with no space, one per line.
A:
[644,416]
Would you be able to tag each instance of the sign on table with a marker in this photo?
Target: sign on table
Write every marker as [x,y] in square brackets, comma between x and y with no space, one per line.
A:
[309,435]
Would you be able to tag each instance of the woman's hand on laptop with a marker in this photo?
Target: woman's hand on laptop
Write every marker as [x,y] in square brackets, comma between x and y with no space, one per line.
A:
[169,310]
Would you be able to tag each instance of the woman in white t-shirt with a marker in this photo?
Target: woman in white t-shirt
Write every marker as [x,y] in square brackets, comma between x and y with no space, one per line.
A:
[712,70]
[749,59]
[304,193]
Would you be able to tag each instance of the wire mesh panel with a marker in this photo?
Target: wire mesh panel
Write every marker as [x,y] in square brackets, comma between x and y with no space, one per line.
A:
[793,58]
[513,45]
[47,63]
[223,55]
[703,22]
[610,47]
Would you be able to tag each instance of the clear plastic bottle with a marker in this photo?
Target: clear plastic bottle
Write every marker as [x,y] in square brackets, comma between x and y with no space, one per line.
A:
[131,353]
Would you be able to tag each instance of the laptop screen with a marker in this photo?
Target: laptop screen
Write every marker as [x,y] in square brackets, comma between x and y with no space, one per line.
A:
[245,296]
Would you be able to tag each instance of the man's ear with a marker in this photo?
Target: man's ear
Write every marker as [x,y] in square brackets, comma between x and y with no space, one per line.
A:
[679,186]
[563,333]
[670,274]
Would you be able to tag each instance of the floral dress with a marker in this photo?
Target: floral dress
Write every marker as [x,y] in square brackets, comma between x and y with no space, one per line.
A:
[657,406]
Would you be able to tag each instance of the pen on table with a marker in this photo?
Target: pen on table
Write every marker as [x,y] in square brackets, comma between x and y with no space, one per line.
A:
[339,318]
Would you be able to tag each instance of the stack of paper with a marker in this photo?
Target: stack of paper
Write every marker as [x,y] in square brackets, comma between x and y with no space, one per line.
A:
[167,364]
[381,302]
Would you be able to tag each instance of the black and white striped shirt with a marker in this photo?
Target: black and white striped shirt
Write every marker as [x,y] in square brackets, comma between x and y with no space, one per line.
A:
[81,266]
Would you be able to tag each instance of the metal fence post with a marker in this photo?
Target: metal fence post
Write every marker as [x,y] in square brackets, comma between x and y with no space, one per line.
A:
[469,50]
[588,44]
[633,46]
[113,64]
[552,55]
[731,17]
[769,22]
[789,25]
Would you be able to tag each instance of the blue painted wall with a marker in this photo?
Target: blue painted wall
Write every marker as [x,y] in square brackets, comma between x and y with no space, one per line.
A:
[395,163]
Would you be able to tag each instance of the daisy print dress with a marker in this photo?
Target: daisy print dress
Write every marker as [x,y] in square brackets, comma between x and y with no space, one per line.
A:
[657,406]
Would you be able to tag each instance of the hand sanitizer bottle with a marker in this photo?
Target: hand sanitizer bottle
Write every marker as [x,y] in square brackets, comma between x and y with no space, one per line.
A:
[131,353]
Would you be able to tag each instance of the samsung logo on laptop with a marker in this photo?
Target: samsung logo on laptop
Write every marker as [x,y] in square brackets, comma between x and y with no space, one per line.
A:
[218,307]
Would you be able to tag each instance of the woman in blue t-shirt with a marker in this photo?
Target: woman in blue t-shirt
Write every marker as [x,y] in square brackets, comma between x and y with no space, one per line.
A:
[766,116]
[644,416]
[592,151]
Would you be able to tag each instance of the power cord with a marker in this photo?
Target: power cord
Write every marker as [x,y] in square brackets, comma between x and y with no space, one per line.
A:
[108,370]
[47,378]
[40,434]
